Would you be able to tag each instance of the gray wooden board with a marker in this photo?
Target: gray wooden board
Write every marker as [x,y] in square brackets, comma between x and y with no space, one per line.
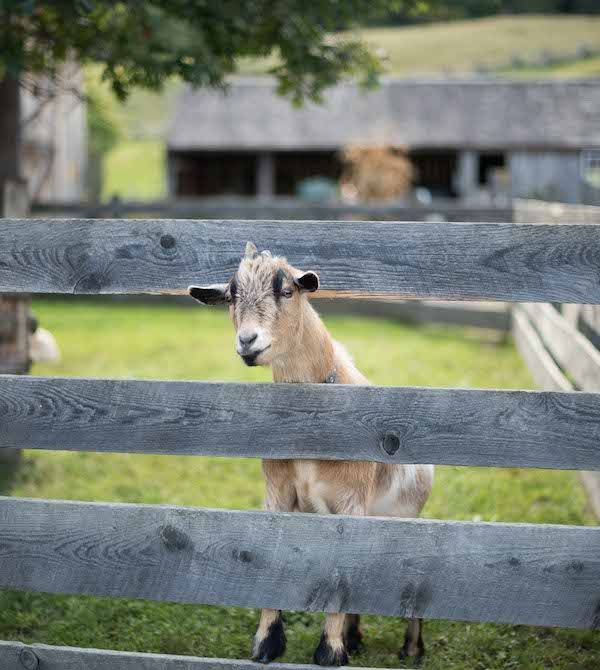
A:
[325,421]
[589,323]
[541,365]
[591,482]
[514,573]
[553,263]
[575,354]
[73,658]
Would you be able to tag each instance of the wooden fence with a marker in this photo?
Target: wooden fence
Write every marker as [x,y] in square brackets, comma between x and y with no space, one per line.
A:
[14,310]
[514,573]
[561,343]
[280,208]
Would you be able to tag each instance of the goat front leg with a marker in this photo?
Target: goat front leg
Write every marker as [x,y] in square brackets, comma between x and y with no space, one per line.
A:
[341,634]
[269,640]
[352,633]
[413,641]
[332,646]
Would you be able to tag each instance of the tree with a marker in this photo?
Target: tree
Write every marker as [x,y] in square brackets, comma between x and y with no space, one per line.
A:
[144,42]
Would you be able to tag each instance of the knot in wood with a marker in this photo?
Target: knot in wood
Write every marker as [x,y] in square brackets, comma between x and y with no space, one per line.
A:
[390,443]
[28,659]
[174,539]
[167,241]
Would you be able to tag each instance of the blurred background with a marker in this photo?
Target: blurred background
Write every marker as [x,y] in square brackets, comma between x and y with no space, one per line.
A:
[472,110]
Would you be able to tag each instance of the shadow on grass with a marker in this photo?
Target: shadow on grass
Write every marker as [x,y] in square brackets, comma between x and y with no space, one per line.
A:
[11,462]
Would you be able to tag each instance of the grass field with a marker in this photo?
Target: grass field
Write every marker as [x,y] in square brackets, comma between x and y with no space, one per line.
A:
[108,339]
[456,47]
[135,170]
[462,46]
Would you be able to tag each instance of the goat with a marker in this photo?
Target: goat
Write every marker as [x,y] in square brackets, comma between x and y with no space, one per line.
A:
[277,326]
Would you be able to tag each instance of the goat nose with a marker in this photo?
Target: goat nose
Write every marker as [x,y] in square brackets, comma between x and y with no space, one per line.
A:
[247,339]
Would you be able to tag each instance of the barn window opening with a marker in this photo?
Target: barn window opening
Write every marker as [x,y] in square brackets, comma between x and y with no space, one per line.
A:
[435,171]
[590,167]
[487,164]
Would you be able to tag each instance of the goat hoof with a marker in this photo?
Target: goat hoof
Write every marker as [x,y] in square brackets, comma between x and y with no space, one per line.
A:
[415,655]
[325,654]
[272,646]
[353,640]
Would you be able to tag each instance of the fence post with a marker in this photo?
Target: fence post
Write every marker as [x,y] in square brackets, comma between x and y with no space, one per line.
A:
[14,311]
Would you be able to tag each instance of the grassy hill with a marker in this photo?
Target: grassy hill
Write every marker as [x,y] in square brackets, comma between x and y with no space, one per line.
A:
[463,46]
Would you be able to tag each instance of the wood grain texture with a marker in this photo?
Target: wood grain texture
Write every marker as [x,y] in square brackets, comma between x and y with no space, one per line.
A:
[326,421]
[74,658]
[542,367]
[402,260]
[514,573]
[575,354]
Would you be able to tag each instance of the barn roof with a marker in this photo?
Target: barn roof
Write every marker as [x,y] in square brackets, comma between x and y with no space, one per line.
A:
[474,112]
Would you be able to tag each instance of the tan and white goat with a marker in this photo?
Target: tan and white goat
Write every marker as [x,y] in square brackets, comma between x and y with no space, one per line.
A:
[277,326]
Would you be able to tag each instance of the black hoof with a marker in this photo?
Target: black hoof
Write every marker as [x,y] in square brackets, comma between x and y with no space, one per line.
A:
[417,658]
[325,654]
[272,646]
[353,640]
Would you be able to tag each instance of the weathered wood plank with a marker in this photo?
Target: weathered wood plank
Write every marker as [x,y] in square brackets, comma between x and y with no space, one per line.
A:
[548,375]
[515,573]
[575,354]
[402,260]
[591,483]
[16,656]
[589,323]
[544,370]
[386,424]
[14,310]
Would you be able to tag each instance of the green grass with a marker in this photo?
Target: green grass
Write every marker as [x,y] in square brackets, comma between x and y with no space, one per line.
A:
[108,339]
[583,67]
[135,170]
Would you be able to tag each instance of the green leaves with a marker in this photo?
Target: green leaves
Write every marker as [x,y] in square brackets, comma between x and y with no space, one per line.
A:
[145,43]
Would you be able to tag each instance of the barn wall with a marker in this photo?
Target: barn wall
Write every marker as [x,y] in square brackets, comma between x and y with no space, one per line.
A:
[546,175]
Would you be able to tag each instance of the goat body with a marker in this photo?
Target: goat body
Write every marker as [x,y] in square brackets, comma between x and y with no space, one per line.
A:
[276,325]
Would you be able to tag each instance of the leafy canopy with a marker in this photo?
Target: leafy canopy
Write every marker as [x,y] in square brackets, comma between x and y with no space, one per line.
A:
[142,43]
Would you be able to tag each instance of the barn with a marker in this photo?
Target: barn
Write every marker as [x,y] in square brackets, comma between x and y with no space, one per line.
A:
[467,137]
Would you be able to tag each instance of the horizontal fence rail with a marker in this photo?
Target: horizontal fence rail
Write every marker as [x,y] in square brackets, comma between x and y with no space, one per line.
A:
[563,342]
[541,365]
[18,656]
[236,207]
[569,347]
[513,573]
[533,263]
[386,424]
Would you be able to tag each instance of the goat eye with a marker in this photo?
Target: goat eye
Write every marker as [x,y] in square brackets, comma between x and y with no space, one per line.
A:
[287,293]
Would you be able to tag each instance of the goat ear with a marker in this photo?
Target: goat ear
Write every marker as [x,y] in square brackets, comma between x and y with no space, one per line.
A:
[251,251]
[216,294]
[307,281]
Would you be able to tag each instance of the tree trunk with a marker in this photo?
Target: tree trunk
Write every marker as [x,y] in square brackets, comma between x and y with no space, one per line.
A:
[10,134]
[14,311]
